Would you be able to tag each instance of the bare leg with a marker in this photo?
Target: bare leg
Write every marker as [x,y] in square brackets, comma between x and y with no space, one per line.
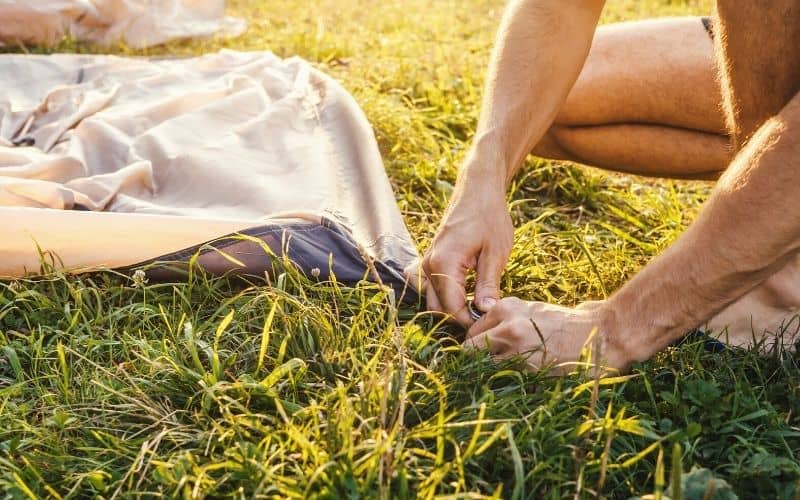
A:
[651,150]
[758,46]
[646,102]
[768,309]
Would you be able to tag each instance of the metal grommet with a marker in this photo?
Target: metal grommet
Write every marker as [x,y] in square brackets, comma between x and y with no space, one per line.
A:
[474,312]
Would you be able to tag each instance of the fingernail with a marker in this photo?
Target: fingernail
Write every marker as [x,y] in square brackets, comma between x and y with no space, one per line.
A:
[488,303]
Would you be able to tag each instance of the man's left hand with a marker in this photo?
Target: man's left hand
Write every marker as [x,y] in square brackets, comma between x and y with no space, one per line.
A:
[548,335]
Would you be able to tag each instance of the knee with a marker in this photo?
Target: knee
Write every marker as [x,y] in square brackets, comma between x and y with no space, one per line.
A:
[551,146]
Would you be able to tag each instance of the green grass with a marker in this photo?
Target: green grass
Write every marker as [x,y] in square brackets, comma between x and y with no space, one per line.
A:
[203,388]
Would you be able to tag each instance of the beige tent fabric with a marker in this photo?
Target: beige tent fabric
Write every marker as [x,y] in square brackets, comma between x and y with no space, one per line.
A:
[138,23]
[171,153]
[91,240]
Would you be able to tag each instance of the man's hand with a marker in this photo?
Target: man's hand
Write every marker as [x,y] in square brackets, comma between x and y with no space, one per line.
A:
[476,234]
[546,334]
[540,50]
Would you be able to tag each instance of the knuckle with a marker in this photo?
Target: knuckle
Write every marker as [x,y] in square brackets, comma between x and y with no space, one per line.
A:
[432,263]
[521,326]
[514,302]
[501,307]
[536,307]
[502,245]
[487,285]
[506,305]
[426,263]
[436,261]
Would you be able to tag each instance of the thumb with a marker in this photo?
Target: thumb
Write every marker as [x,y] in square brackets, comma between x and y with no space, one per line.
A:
[487,284]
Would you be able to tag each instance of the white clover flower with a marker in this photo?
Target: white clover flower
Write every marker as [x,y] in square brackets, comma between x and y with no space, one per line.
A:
[139,278]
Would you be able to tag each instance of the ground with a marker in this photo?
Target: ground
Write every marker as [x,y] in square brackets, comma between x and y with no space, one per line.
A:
[114,387]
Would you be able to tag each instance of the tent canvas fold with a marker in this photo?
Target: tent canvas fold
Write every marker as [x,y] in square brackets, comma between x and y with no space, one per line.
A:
[111,162]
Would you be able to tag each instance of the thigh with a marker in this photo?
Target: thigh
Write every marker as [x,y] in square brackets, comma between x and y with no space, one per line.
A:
[759,47]
[657,71]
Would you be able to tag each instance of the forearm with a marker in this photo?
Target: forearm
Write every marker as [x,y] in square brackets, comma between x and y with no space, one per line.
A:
[540,50]
[749,227]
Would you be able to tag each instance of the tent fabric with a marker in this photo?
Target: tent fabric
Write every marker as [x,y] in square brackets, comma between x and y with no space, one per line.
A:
[324,251]
[138,23]
[111,162]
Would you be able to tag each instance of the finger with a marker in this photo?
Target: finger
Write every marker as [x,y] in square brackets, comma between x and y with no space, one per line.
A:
[449,284]
[487,321]
[494,341]
[432,301]
[487,286]
[486,341]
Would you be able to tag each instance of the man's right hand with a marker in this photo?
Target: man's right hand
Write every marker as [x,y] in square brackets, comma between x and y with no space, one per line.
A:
[476,233]
[540,50]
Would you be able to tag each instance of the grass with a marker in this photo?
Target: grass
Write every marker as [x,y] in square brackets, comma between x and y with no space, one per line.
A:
[110,387]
